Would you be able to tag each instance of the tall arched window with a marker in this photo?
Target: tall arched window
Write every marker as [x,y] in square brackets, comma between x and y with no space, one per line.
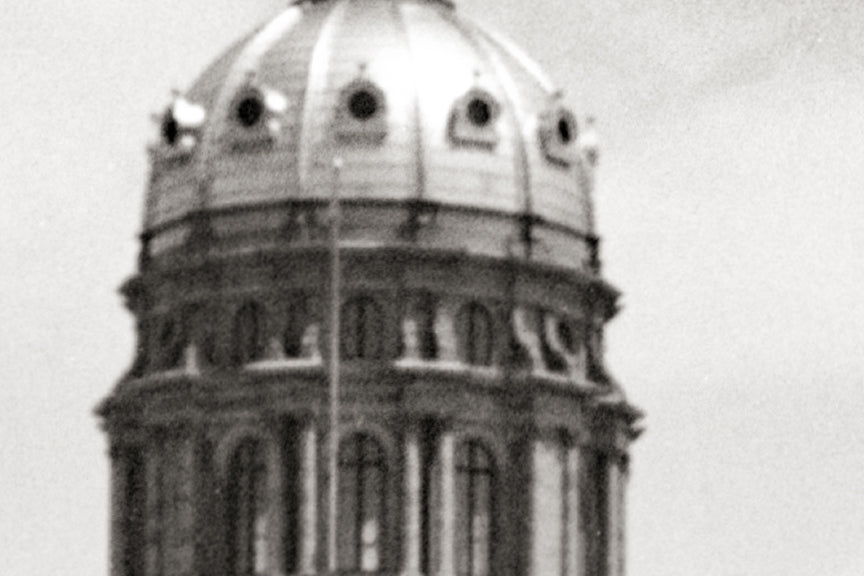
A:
[247,342]
[362,328]
[361,504]
[474,477]
[248,511]
[475,329]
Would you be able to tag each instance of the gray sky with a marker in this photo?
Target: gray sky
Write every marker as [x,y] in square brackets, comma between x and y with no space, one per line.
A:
[730,200]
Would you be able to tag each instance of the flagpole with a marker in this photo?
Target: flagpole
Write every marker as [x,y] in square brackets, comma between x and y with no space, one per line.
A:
[335,325]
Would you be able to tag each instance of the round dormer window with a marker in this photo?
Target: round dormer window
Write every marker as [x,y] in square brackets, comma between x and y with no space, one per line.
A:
[565,130]
[169,129]
[249,111]
[363,105]
[473,118]
[558,132]
[479,112]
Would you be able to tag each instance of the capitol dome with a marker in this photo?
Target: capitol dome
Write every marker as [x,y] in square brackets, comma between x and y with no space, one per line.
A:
[430,115]
[368,269]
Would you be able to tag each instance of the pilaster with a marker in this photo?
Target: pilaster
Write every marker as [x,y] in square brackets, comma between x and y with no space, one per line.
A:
[447,510]
[411,503]
[308,501]
[119,536]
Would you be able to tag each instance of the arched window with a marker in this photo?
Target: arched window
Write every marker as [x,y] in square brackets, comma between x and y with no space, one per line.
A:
[173,338]
[247,342]
[362,328]
[248,511]
[361,504]
[475,329]
[474,477]
[295,326]
[428,342]
[143,352]
[553,357]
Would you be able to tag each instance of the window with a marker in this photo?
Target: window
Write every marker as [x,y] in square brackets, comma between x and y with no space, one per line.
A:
[249,110]
[169,129]
[247,344]
[422,312]
[181,123]
[475,329]
[595,510]
[551,346]
[173,339]
[248,511]
[362,328]
[473,119]
[361,113]
[256,114]
[295,326]
[427,341]
[142,350]
[363,104]
[361,504]
[558,134]
[594,354]
[473,510]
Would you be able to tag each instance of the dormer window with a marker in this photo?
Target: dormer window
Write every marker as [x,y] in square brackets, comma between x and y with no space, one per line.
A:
[558,134]
[363,105]
[479,112]
[181,124]
[361,113]
[473,119]
[257,111]
[169,129]
[249,111]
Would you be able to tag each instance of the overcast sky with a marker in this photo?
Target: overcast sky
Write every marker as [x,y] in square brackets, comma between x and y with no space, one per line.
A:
[730,201]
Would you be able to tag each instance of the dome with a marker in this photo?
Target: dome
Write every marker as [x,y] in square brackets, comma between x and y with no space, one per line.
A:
[369,223]
[430,117]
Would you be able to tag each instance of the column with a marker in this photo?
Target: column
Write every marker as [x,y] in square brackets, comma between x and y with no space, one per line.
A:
[308,509]
[154,507]
[182,543]
[575,551]
[547,530]
[623,480]
[447,566]
[616,518]
[118,512]
[276,510]
[411,501]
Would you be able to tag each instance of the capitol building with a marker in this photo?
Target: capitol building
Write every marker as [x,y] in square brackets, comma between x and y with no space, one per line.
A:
[370,311]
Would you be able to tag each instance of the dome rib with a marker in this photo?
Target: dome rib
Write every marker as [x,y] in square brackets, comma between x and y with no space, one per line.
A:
[316,84]
[513,108]
[425,63]
[419,148]
[526,62]
[245,64]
